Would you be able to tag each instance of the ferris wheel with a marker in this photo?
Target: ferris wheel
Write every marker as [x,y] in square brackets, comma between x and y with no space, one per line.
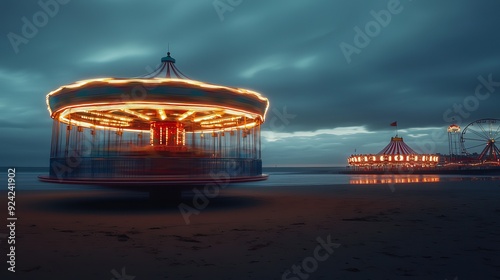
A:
[481,137]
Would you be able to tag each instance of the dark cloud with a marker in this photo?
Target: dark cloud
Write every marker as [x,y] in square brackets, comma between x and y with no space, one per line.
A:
[427,59]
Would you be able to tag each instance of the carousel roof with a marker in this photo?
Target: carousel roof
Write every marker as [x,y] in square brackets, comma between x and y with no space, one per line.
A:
[396,153]
[165,94]
[397,147]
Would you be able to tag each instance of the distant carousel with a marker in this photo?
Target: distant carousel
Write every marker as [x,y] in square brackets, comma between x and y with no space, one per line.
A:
[396,156]
[154,131]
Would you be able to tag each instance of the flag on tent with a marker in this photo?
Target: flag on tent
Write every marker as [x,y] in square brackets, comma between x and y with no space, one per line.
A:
[394,124]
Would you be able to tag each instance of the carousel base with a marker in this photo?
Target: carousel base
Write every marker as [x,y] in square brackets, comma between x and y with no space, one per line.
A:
[161,189]
[147,182]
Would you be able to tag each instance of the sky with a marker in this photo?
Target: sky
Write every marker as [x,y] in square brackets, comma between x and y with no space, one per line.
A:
[337,72]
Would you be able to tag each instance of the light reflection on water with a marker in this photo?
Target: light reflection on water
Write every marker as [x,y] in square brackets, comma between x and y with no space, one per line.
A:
[290,179]
[393,179]
[293,179]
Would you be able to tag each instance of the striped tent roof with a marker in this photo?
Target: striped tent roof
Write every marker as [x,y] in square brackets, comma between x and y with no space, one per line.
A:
[397,147]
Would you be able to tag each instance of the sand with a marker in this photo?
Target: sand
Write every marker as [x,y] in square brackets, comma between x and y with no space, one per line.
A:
[445,230]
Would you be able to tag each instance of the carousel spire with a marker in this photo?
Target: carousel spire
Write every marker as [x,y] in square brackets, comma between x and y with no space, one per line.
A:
[168,65]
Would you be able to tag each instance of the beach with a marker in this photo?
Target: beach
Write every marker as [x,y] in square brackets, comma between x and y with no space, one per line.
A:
[437,230]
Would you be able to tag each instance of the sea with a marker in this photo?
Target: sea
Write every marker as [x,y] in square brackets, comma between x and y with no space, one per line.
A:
[27,178]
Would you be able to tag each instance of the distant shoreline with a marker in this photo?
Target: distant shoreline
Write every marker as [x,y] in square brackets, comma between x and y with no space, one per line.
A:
[331,170]
[310,170]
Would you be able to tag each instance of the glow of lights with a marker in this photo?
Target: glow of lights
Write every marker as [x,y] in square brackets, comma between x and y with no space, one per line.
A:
[111,124]
[226,125]
[386,159]
[250,125]
[92,126]
[209,128]
[142,116]
[243,114]
[207,117]
[163,116]
[185,115]
[221,120]
[454,128]
[83,124]
[393,179]
[111,116]
[149,105]
[116,122]
[158,81]
[181,133]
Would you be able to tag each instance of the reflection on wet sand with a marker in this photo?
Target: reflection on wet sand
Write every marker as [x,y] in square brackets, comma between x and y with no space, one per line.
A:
[393,179]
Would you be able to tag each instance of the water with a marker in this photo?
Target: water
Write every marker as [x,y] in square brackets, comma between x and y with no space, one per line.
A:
[292,177]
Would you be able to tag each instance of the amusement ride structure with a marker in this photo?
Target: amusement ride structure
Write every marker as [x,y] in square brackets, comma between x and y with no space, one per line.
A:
[480,138]
[154,130]
[397,155]
[473,150]
[454,141]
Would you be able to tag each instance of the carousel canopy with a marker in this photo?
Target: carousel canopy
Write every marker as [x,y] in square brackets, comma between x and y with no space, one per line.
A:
[396,153]
[397,147]
[166,94]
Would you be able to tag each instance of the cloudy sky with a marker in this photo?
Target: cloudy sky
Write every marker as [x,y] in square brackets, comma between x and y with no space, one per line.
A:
[337,72]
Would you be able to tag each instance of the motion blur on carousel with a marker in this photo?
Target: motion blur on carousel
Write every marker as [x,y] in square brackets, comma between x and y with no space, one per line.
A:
[155,129]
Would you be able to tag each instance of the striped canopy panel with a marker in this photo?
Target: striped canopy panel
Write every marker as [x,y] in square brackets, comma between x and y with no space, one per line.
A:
[397,147]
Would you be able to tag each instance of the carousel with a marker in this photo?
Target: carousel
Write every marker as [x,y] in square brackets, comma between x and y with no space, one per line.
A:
[397,155]
[161,129]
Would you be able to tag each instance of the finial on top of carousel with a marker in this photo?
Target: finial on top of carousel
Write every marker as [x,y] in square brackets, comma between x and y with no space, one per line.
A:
[167,65]
[168,58]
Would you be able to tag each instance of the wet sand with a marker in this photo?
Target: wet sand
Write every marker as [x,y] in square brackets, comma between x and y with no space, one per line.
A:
[445,230]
